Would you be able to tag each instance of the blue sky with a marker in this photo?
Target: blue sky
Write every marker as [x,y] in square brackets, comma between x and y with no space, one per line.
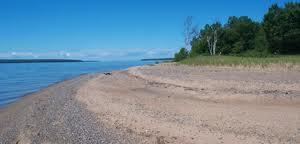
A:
[108,29]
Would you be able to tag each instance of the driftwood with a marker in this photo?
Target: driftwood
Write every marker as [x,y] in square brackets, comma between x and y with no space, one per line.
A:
[108,73]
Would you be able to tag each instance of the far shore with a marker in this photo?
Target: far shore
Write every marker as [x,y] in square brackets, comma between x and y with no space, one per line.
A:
[161,103]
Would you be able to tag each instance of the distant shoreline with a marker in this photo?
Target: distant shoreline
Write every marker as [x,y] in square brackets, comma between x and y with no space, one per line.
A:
[158,59]
[37,60]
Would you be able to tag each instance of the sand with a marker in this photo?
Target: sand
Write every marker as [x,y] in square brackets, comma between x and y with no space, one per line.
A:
[181,104]
[164,103]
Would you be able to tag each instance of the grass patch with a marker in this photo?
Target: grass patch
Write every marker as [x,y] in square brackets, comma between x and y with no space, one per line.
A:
[243,61]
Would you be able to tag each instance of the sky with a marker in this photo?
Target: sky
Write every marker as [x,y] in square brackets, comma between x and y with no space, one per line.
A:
[109,29]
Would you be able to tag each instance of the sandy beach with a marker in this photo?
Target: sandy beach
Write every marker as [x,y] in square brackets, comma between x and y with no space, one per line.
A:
[164,103]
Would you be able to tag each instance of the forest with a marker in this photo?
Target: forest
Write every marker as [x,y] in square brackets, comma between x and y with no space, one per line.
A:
[277,34]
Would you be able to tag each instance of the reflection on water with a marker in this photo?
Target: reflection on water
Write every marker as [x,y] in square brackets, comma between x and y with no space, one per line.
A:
[18,79]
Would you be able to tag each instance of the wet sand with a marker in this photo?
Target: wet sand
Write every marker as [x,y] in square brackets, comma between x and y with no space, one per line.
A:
[165,103]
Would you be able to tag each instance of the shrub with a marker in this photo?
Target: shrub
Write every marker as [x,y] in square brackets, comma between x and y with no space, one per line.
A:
[182,54]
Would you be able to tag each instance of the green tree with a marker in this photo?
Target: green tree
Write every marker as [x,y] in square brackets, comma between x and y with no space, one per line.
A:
[282,27]
[227,40]
[279,33]
[272,28]
[241,30]
[182,54]
[207,40]
[260,43]
[291,29]
[237,47]
[198,47]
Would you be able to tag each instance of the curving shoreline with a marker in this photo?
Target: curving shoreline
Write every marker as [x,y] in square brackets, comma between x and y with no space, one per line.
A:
[160,104]
[53,115]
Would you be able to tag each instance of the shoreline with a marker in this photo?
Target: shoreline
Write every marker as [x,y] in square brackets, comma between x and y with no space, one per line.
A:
[31,119]
[19,98]
[163,103]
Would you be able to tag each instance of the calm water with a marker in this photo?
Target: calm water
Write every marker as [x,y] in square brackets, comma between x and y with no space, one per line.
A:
[18,79]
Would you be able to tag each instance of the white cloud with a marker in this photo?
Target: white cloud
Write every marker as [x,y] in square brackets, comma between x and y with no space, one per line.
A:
[21,54]
[96,54]
[5,55]
[64,54]
[150,53]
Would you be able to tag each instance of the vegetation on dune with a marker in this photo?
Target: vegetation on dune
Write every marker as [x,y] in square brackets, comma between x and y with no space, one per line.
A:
[277,34]
[241,61]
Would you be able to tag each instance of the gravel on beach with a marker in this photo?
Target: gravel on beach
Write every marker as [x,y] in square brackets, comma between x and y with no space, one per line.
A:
[54,116]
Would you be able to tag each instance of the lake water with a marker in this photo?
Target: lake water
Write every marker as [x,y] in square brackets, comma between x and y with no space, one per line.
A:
[18,79]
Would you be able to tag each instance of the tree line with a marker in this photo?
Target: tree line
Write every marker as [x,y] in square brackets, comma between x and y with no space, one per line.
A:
[277,34]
